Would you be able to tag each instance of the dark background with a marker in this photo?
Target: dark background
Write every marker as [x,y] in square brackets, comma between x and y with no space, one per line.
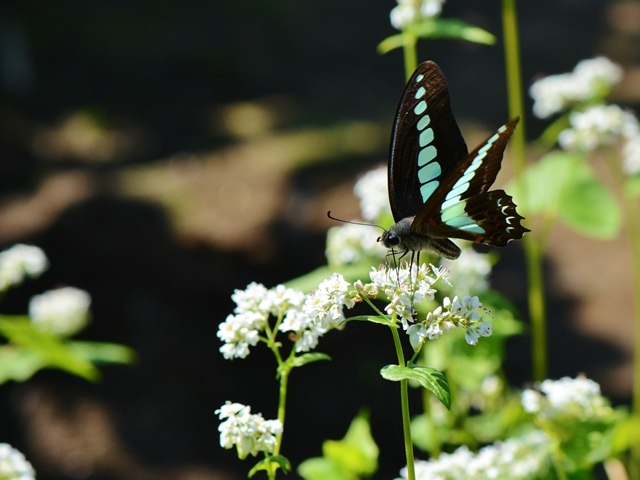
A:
[164,154]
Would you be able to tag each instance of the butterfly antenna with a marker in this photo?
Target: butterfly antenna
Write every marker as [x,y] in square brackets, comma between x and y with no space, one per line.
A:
[354,223]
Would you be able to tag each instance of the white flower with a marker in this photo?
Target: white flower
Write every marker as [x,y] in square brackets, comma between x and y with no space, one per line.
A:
[519,458]
[325,304]
[567,398]
[249,433]
[21,261]
[410,11]
[631,156]
[13,464]
[350,243]
[63,311]
[590,80]
[371,189]
[600,125]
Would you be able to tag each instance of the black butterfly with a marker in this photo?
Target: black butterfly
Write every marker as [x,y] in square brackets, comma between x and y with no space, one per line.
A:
[437,189]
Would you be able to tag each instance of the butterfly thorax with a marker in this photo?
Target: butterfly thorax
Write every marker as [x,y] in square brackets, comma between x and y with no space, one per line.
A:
[400,237]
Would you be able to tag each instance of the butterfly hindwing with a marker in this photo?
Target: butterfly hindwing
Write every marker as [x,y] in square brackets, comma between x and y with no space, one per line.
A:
[426,143]
[463,208]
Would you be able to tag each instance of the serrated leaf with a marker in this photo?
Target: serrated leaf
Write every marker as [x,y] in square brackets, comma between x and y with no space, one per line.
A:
[309,358]
[429,378]
[265,464]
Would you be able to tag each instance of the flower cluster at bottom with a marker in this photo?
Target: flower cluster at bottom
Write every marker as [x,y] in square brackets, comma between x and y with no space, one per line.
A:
[519,458]
[249,433]
[13,465]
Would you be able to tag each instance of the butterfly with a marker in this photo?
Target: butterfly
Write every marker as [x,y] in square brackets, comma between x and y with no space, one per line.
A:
[437,189]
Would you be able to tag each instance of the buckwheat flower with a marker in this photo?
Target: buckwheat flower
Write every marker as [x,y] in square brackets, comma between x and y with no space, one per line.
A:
[249,433]
[21,261]
[250,298]
[325,304]
[567,398]
[280,299]
[520,458]
[597,126]
[13,464]
[63,311]
[242,329]
[348,244]
[631,156]
[371,189]
[410,11]
[590,80]
[599,74]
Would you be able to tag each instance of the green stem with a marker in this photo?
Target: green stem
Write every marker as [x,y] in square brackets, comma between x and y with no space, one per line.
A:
[631,210]
[410,54]
[404,402]
[532,248]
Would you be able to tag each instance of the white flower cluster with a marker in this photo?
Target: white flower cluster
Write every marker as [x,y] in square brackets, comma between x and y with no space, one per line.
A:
[567,398]
[63,311]
[409,285]
[590,80]
[249,433]
[471,271]
[13,465]
[597,126]
[308,317]
[21,261]
[348,244]
[324,306]
[411,11]
[519,458]
[371,189]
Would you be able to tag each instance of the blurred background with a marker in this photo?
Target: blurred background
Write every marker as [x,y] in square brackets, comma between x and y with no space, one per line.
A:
[164,154]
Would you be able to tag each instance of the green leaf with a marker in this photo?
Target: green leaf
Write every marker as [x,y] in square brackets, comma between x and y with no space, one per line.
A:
[429,378]
[373,319]
[353,457]
[320,468]
[438,28]
[99,352]
[18,364]
[632,185]
[265,464]
[589,208]
[310,281]
[562,185]
[308,358]
[52,350]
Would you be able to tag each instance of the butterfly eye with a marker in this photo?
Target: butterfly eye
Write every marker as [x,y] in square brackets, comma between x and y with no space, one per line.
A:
[391,240]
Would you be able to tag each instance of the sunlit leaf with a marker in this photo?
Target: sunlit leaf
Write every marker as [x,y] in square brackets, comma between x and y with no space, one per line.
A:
[266,464]
[429,378]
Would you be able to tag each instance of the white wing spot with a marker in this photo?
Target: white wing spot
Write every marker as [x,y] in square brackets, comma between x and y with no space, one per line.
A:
[423,122]
[426,155]
[428,188]
[426,137]
[429,172]
[420,108]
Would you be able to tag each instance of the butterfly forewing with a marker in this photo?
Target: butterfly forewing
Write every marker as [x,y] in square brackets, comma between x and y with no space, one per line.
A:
[426,144]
